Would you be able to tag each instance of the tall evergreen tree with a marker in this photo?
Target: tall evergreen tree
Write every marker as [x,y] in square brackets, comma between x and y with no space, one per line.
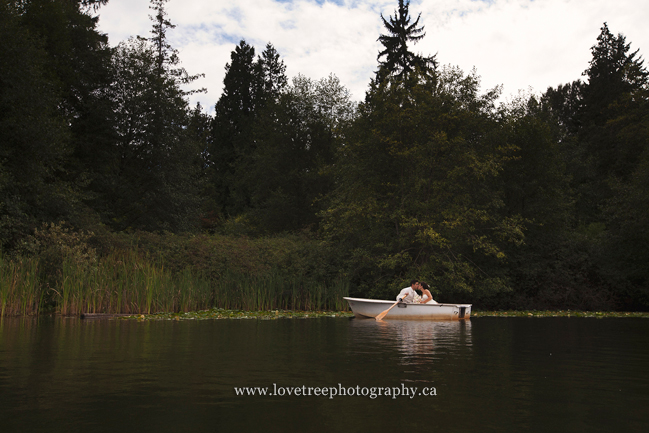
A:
[78,58]
[612,73]
[250,85]
[605,143]
[272,73]
[399,60]
[231,130]
[595,117]
[615,133]
[34,137]
[615,79]
[159,161]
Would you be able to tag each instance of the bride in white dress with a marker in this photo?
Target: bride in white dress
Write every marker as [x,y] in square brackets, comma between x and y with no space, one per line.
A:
[426,297]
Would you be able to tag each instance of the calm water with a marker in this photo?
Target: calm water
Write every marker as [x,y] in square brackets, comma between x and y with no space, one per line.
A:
[489,374]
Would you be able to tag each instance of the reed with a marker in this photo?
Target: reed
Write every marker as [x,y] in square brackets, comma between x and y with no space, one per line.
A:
[127,282]
[20,291]
[273,290]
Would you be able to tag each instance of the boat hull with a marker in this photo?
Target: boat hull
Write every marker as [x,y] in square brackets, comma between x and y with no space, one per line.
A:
[369,308]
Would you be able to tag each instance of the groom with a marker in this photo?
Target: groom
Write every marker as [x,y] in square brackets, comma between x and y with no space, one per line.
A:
[407,295]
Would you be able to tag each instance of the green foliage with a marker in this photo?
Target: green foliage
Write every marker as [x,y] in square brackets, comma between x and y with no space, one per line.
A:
[272,143]
[77,60]
[217,255]
[603,139]
[20,291]
[296,140]
[158,160]
[535,180]
[148,273]
[416,192]
[612,73]
[125,282]
[537,203]
[232,140]
[613,102]
[625,254]
[536,187]
[275,291]
[271,73]
[35,143]
[399,60]
[252,90]
[220,313]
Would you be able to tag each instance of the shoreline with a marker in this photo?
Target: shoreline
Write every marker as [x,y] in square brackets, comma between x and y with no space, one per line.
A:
[218,314]
[559,313]
[221,313]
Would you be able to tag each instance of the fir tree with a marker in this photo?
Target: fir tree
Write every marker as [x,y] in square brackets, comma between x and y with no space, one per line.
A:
[399,60]
[159,161]
[249,86]
[272,72]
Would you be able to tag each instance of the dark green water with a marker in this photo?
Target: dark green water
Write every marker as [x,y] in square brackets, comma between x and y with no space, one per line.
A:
[489,374]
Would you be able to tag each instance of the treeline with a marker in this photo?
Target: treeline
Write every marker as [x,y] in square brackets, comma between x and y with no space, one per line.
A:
[540,202]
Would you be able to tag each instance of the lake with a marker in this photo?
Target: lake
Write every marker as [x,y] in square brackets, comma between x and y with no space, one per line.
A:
[487,374]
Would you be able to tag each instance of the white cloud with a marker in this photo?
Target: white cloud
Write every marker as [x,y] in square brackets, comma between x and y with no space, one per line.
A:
[517,43]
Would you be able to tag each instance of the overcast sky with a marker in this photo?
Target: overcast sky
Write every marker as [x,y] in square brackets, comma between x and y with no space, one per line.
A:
[521,44]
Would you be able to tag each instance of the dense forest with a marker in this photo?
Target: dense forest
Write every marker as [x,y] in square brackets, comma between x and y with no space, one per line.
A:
[538,202]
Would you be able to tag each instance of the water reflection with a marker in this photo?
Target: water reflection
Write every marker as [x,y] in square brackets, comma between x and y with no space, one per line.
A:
[62,375]
[417,342]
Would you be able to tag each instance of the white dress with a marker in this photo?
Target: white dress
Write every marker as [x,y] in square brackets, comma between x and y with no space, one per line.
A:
[432,301]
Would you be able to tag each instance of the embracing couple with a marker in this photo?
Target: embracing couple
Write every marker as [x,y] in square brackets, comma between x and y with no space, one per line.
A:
[409,295]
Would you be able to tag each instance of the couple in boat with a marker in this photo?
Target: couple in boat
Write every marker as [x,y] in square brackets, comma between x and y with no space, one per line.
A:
[409,295]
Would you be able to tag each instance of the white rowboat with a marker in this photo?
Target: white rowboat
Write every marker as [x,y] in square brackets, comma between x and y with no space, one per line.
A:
[366,308]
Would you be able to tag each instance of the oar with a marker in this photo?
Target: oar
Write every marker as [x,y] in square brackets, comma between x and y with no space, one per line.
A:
[383,314]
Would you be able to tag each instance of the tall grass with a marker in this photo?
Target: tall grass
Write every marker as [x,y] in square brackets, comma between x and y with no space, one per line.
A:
[20,291]
[126,282]
[272,290]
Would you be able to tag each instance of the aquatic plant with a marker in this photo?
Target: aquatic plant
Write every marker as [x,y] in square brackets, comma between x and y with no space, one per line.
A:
[20,291]
[221,313]
[127,281]
[124,282]
[558,313]
[273,290]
